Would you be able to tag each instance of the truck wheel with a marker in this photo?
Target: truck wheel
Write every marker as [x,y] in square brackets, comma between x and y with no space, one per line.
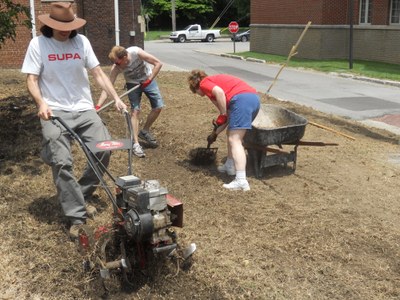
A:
[182,39]
[210,38]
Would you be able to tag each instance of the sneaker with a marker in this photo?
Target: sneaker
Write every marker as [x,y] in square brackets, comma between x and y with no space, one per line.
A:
[146,136]
[230,170]
[74,231]
[138,151]
[237,185]
[91,211]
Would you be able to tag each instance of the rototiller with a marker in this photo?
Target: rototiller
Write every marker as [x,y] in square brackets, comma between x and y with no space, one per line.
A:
[143,216]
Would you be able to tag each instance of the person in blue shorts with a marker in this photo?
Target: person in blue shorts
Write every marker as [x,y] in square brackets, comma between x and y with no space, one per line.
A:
[238,105]
[139,68]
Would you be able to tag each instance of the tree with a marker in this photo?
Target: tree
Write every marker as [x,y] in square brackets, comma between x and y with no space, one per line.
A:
[12,15]
[242,11]
[231,10]
[193,8]
[186,10]
[206,12]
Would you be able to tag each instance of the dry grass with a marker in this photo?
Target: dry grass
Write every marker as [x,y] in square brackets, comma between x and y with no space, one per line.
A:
[328,231]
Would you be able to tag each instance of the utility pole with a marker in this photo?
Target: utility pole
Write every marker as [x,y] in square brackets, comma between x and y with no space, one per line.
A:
[173,15]
[351,35]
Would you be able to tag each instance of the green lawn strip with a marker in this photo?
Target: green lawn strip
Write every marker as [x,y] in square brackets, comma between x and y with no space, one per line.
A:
[360,67]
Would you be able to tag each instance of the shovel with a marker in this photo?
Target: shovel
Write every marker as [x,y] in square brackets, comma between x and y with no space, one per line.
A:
[204,156]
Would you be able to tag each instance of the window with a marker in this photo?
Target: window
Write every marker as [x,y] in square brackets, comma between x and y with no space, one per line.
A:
[365,11]
[395,12]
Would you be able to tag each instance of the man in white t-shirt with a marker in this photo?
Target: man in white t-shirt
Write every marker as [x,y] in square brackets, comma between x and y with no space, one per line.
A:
[56,65]
[140,69]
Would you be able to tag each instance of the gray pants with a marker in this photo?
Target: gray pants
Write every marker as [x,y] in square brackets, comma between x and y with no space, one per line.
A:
[56,152]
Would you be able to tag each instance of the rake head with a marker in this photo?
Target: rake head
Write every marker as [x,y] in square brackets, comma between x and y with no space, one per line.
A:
[203,156]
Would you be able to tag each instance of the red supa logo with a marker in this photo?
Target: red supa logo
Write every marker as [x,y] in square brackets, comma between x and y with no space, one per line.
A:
[64,56]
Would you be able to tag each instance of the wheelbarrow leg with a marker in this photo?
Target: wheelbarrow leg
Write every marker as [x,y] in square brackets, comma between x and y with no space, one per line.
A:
[255,157]
[295,157]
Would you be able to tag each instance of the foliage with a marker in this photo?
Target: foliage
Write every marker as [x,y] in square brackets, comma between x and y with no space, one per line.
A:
[192,8]
[186,11]
[231,10]
[242,8]
[189,8]
[205,12]
[11,15]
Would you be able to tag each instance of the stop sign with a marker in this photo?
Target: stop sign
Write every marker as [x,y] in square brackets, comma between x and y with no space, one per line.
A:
[233,27]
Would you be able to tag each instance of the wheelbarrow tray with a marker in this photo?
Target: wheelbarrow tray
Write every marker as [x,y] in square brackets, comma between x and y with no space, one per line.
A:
[275,125]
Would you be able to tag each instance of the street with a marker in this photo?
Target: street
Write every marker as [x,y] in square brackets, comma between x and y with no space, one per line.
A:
[372,103]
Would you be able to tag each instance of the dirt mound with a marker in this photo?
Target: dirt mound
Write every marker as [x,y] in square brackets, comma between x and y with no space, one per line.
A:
[329,230]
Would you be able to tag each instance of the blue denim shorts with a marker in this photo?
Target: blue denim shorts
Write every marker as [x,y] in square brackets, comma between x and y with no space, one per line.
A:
[243,109]
[151,91]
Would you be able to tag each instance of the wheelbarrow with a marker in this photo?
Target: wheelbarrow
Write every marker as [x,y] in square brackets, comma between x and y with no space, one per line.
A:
[277,126]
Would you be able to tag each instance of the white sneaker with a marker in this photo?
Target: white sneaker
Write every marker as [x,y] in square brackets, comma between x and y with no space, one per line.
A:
[138,151]
[230,170]
[237,185]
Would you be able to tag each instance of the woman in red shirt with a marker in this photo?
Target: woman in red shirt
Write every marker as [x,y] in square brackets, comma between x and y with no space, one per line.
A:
[238,105]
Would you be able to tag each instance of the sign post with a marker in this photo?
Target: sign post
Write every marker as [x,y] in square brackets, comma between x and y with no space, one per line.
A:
[233,28]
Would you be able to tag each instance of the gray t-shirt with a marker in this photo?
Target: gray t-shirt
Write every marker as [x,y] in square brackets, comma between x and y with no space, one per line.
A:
[137,70]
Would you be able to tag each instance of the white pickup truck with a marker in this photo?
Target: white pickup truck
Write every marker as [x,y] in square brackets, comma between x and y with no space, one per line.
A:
[194,32]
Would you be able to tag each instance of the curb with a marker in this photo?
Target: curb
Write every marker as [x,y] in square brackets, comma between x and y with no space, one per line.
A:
[380,81]
[381,125]
[232,56]
[262,61]
[368,79]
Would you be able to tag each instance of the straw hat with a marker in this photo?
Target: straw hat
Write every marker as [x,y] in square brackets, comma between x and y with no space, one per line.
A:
[62,17]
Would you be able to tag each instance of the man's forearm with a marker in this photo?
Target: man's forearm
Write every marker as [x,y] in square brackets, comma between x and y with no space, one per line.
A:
[34,90]
[156,70]
[102,98]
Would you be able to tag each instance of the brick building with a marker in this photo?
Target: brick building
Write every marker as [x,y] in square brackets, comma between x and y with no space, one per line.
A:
[276,26]
[100,28]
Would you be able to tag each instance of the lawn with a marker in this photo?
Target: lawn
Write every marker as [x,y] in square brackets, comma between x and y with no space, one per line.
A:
[360,67]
